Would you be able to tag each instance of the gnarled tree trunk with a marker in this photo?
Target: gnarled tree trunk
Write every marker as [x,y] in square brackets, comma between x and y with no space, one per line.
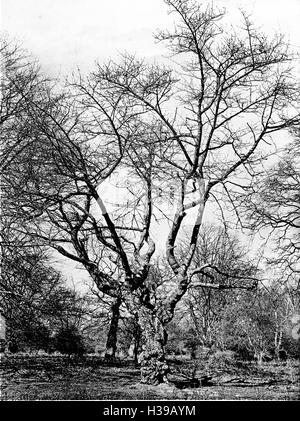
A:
[154,367]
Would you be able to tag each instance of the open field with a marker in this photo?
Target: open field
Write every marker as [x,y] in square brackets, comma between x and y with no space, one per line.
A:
[53,378]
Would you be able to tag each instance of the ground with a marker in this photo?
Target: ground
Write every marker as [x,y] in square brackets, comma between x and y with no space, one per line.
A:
[63,378]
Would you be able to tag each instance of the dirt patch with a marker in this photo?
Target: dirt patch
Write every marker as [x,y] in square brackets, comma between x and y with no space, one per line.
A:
[103,382]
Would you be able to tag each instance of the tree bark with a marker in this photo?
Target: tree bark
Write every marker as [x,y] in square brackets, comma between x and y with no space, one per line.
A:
[154,367]
[136,350]
[137,341]
[2,333]
[277,344]
[112,336]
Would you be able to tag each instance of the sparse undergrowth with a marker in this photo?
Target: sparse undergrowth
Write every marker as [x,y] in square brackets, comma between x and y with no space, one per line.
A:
[90,381]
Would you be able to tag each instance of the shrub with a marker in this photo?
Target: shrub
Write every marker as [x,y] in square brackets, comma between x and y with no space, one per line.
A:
[69,341]
[222,360]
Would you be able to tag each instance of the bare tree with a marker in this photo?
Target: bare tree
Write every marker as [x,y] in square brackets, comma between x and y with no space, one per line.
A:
[205,307]
[197,129]
[34,299]
[273,206]
[260,322]
[21,81]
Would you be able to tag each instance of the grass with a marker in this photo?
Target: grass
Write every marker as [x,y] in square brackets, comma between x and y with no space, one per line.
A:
[122,382]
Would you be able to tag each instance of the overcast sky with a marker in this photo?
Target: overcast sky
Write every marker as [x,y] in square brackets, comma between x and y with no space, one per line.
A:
[64,34]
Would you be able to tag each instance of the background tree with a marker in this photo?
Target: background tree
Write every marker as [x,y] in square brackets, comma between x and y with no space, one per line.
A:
[21,81]
[259,324]
[206,307]
[273,206]
[35,301]
[109,317]
[69,341]
[201,127]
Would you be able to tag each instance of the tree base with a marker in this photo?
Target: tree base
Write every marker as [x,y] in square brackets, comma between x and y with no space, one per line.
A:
[154,371]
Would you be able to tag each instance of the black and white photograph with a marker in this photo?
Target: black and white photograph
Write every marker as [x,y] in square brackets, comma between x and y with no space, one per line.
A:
[150,202]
